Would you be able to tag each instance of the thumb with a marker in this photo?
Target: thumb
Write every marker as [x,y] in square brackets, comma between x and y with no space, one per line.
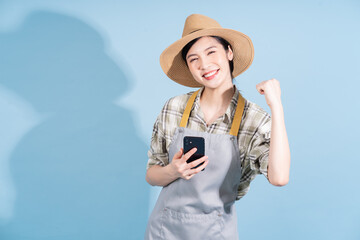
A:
[179,153]
[260,90]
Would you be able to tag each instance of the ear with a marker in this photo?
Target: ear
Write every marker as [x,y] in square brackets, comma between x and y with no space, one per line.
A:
[229,53]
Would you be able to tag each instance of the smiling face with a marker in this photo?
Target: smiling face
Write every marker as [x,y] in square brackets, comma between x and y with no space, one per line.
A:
[208,63]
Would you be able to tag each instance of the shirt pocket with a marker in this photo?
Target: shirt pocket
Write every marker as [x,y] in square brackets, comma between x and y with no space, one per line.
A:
[181,225]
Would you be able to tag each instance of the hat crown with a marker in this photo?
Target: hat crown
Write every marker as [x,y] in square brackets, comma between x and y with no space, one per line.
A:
[196,22]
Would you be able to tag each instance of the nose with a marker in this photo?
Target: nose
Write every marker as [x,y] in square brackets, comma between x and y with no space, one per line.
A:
[203,63]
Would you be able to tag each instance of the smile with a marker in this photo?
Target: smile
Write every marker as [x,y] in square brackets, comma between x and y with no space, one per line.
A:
[211,75]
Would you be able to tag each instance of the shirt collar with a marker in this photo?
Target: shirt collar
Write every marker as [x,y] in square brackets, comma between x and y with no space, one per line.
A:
[230,111]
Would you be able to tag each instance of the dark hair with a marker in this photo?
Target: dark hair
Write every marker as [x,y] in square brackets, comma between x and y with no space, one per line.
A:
[222,41]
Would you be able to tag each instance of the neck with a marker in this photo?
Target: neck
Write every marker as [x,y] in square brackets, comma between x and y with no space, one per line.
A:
[217,97]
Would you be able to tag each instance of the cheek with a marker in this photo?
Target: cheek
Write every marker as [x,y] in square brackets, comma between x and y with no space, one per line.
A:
[224,62]
[192,68]
[195,73]
[222,59]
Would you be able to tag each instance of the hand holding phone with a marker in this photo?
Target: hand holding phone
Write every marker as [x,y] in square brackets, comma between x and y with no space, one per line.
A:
[180,167]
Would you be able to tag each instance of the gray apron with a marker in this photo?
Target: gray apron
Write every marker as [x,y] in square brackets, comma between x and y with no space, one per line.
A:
[203,206]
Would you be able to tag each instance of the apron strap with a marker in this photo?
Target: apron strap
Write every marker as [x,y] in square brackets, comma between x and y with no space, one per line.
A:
[237,116]
[236,119]
[187,111]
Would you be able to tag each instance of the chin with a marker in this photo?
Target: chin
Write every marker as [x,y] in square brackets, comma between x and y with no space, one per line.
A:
[212,85]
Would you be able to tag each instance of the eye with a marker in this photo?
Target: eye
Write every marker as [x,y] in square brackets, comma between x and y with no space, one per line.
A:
[191,60]
[211,52]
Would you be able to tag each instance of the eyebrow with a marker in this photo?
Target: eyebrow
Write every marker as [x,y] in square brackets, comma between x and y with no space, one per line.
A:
[204,51]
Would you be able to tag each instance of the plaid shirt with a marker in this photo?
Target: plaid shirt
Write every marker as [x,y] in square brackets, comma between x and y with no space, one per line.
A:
[253,137]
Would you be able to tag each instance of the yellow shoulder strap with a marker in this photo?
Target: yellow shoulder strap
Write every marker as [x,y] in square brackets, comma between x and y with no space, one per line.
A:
[237,116]
[188,107]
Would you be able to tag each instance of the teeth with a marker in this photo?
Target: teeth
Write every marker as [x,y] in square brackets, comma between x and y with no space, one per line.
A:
[210,74]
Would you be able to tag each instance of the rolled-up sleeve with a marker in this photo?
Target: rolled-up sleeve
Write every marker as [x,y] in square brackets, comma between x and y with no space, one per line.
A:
[157,153]
[256,148]
[260,146]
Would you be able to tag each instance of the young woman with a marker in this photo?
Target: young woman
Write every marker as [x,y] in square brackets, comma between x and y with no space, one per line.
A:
[196,204]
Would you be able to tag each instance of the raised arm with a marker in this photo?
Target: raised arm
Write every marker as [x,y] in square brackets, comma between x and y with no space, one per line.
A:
[279,153]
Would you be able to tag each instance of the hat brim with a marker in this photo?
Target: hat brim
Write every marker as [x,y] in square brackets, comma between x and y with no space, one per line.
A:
[175,67]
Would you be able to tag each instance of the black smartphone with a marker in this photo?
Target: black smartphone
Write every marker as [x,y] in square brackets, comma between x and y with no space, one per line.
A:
[191,142]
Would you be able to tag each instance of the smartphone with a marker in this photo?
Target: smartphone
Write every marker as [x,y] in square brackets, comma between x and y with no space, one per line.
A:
[197,142]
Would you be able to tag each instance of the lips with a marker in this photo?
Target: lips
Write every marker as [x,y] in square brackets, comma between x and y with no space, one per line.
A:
[210,75]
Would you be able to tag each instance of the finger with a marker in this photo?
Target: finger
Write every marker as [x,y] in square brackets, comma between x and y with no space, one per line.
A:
[197,162]
[199,168]
[179,153]
[187,177]
[189,153]
[260,89]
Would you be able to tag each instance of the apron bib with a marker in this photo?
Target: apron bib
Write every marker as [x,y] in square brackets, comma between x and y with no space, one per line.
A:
[203,206]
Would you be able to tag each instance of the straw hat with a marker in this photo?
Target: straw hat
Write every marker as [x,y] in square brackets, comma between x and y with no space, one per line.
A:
[197,25]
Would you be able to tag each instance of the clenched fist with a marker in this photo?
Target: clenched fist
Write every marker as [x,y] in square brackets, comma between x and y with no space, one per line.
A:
[271,90]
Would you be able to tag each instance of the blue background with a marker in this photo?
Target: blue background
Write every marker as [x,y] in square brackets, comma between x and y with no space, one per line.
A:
[81,87]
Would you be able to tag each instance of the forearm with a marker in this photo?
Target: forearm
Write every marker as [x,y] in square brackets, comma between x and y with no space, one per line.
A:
[279,153]
[160,176]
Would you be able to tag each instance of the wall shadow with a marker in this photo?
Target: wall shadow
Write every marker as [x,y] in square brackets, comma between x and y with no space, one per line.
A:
[80,174]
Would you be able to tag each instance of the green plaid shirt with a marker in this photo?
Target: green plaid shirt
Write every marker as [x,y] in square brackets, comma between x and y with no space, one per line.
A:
[253,137]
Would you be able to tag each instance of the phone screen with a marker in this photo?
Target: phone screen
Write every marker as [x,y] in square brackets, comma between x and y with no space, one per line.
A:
[191,142]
